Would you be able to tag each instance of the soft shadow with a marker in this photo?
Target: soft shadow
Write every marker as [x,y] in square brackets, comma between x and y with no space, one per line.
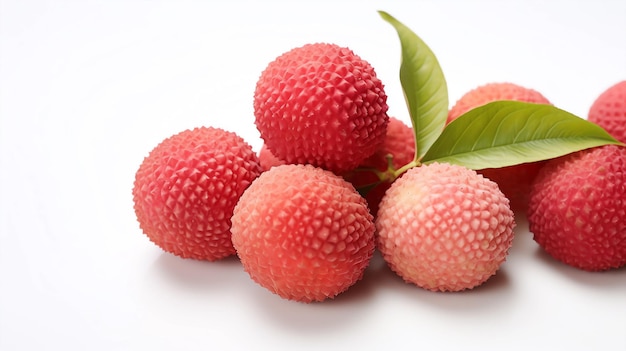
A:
[492,294]
[329,314]
[365,288]
[196,274]
[609,279]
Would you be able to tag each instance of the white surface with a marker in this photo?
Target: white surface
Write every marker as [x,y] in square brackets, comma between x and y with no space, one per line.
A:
[88,88]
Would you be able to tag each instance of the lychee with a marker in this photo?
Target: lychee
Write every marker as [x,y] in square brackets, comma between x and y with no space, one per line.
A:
[609,111]
[321,104]
[303,233]
[186,188]
[444,227]
[267,159]
[496,91]
[577,210]
[398,147]
[514,181]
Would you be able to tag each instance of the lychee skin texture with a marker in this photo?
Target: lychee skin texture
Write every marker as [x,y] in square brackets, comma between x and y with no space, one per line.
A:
[399,143]
[321,104]
[185,191]
[494,92]
[444,227]
[609,111]
[303,233]
[577,209]
[514,181]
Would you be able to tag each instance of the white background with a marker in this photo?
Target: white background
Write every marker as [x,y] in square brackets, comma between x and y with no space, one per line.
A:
[88,88]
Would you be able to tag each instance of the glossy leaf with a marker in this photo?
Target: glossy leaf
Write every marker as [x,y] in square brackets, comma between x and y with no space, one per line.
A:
[505,133]
[424,87]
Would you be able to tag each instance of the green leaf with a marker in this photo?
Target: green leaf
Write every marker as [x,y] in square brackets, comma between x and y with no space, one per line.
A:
[506,133]
[424,87]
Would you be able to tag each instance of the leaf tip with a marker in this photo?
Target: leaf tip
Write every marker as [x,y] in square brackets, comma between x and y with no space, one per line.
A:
[386,16]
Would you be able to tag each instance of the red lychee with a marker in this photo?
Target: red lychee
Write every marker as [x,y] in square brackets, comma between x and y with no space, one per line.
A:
[609,111]
[444,227]
[303,233]
[399,144]
[186,188]
[577,209]
[514,181]
[321,104]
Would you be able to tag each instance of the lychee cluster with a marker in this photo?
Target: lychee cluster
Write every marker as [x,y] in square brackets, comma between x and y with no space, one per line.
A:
[299,228]
[336,178]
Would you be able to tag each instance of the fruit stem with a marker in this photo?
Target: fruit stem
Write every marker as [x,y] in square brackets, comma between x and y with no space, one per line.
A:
[401,170]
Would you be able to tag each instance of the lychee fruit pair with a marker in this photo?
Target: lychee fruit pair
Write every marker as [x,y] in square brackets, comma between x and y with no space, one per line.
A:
[369,177]
[185,191]
[577,210]
[514,181]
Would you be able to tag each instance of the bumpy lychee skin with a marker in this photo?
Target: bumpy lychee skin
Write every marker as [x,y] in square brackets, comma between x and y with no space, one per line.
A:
[399,144]
[303,233]
[514,181]
[577,210]
[444,227]
[321,104]
[609,111]
[185,191]
[494,92]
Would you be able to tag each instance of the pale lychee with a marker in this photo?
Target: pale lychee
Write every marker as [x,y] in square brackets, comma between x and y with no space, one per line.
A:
[577,210]
[399,146]
[186,188]
[321,104]
[444,227]
[609,111]
[303,233]
[514,181]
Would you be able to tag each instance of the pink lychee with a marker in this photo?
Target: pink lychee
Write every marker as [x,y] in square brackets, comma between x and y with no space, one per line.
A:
[444,227]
